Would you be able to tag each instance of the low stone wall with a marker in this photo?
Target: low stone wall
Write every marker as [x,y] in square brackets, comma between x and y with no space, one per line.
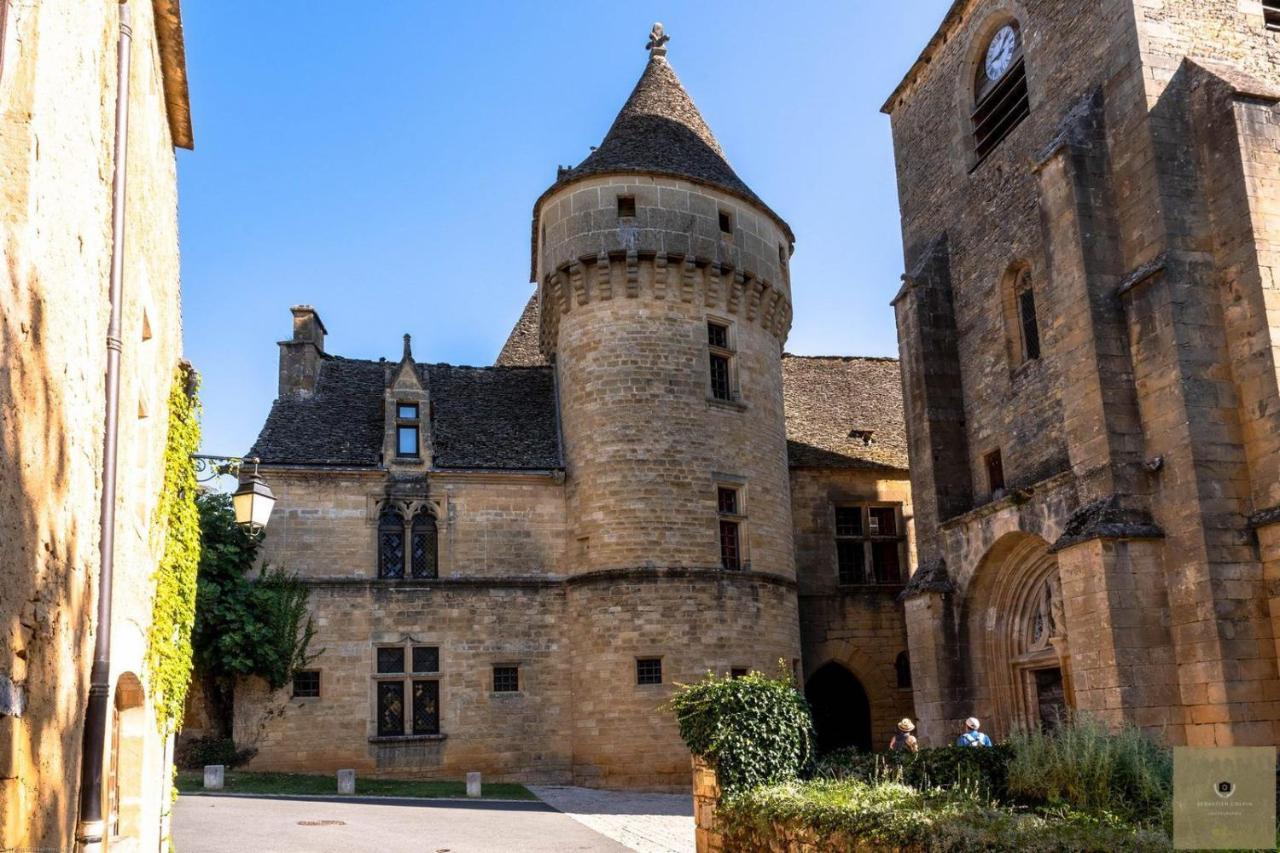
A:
[706,793]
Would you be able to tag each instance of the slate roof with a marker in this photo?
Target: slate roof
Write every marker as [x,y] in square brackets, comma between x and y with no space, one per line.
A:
[522,348]
[481,417]
[659,131]
[828,397]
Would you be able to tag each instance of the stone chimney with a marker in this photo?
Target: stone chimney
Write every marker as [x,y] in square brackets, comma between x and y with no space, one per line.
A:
[300,357]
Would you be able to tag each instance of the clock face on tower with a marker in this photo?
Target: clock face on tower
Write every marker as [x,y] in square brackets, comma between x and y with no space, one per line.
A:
[1001,51]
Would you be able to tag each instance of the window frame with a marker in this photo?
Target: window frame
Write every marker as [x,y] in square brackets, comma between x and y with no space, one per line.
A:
[727,353]
[408,677]
[431,531]
[385,528]
[866,540]
[404,423]
[294,694]
[738,520]
[993,464]
[493,679]
[643,677]
[1271,15]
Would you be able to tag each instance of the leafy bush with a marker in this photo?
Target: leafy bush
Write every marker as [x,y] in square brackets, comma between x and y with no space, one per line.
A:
[1086,766]
[856,815]
[755,730]
[195,754]
[945,767]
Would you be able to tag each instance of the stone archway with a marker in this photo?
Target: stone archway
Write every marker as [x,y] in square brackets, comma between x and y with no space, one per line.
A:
[841,709]
[128,743]
[1019,657]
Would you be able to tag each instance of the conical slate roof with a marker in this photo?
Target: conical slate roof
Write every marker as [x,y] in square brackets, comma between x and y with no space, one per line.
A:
[660,132]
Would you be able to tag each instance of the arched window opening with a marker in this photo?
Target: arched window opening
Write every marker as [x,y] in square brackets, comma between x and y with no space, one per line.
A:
[1021,324]
[423,546]
[390,544]
[1000,89]
[903,665]
[841,710]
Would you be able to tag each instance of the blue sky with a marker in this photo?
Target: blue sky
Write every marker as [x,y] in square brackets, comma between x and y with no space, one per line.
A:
[380,161]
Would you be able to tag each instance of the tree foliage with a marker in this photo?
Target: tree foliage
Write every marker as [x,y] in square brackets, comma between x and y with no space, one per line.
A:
[247,622]
[756,730]
[177,523]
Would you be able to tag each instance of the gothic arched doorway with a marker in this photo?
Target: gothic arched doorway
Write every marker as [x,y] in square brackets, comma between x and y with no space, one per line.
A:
[841,711]
[1017,633]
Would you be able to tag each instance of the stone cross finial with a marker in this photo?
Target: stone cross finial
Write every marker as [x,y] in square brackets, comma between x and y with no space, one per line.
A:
[408,353]
[657,45]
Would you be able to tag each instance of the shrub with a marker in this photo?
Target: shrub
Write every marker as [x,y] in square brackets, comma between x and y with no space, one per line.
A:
[1088,767]
[196,753]
[853,814]
[755,730]
[944,767]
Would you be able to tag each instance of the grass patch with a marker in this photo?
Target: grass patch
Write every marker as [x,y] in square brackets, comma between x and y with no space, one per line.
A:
[241,782]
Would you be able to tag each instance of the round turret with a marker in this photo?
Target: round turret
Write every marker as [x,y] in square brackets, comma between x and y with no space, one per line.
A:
[665,302]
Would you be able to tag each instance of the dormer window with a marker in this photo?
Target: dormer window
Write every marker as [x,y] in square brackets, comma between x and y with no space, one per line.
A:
[1000,90]
[407,432]
[866,436]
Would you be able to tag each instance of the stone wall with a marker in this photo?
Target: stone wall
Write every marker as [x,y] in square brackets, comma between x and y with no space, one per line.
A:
[522,736]
[859,627]
[57,98]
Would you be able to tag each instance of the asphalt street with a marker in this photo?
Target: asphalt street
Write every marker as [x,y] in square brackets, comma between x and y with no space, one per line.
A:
[227,824]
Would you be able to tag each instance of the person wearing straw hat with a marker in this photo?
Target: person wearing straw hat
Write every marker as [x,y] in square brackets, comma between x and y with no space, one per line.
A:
[973,735]
[904,740]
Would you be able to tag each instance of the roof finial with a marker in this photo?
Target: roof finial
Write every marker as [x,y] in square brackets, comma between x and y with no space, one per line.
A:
[408,353]
[657,45]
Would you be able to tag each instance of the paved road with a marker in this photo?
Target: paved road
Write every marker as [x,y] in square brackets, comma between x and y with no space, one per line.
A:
[223,824]
[645,823]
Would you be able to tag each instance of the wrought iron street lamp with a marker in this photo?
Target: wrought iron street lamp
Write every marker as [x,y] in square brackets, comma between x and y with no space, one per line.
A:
[252,500]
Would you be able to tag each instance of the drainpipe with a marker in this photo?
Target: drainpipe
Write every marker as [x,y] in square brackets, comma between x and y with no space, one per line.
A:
[90,832]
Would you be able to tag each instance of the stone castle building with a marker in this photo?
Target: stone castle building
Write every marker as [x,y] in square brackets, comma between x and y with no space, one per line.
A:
[512,565]
[1089,328]
[58,96]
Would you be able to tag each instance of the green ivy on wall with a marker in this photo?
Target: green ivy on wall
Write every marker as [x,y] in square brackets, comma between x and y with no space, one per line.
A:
[177,522]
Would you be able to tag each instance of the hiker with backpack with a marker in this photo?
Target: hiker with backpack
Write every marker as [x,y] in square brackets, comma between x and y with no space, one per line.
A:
[972,735]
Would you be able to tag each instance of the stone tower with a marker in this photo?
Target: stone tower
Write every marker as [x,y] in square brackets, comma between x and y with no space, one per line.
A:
[1089,334]
[666,301]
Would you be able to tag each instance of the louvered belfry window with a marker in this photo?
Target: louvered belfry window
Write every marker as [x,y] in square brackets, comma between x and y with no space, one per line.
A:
[423,546]
[1000,90]
[390,545]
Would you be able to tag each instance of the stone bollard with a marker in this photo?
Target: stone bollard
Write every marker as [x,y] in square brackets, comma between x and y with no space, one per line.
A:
[346,781]
[214,775]
[473,784]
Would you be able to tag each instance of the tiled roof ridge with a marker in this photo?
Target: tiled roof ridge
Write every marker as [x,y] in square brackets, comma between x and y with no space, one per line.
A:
[842,357]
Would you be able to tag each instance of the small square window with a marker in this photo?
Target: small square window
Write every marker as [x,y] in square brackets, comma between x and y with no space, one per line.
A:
[407,411]
[649,671]
[626,206]
[738,672]
[306,683]
[726,222]
[782,254]
[426,658]
[390,659]
[506,679]
[407,441]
